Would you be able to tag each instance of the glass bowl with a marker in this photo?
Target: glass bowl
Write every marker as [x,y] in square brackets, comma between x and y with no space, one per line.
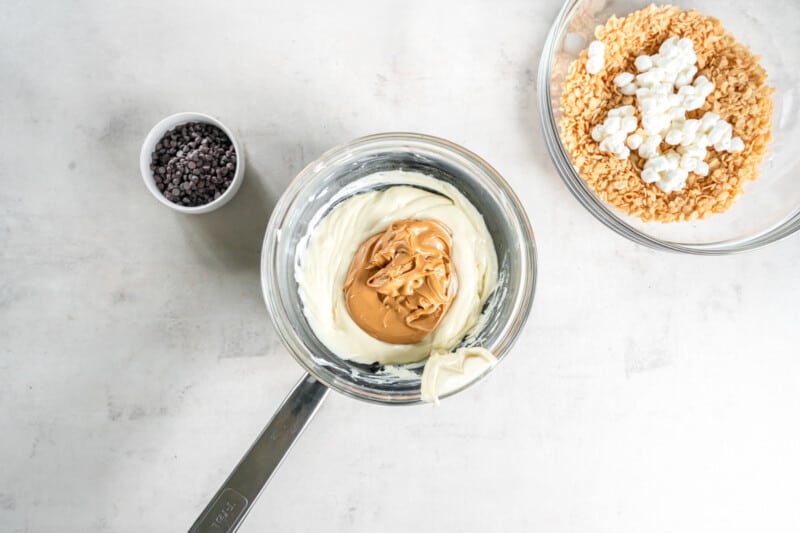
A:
[769,209]
[338,174]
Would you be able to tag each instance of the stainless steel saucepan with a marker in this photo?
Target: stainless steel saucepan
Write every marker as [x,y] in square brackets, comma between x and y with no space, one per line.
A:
[318,187]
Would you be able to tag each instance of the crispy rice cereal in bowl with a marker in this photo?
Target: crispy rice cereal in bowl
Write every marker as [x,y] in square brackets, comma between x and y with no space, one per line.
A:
[740,96]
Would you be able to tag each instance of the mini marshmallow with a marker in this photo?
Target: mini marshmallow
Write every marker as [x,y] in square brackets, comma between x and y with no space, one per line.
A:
[694,151]
[617,139]
[624,111]
[668,46]
[707,121]
[643,63]
[701,169]
[629,124]
[623,79]
[648,105]
[673,137]
[723,145]
[695,102]
[674,179]
[671,66]
[634,141]
[595,64]
[658,163]
[688,163]
[612,124]
[691,126]
[662,90]
[650,78]
[737,145]
[674,158]
[597,48]
[682,79]
[717,133]
[688,138]
[655,140]
[649,148]
[662,104]
[651,124]
[647,151]
[677,113]
[650,176]
[628,90]
[700,80]
[704,87]
[677,175]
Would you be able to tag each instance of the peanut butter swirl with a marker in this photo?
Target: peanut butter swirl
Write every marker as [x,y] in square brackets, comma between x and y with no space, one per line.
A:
[401,282]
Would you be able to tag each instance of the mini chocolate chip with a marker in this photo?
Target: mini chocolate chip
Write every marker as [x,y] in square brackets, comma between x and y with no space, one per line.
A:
[193,164]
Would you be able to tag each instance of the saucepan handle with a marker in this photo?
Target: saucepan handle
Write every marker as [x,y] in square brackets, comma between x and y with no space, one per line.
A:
[233,500]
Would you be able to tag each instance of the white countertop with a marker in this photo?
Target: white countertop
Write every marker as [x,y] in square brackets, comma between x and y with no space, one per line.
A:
[650,392]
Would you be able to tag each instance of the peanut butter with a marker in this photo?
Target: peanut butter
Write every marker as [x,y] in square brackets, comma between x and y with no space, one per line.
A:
[401,281]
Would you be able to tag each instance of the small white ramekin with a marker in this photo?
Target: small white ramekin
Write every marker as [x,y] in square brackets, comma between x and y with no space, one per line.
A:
[155,135]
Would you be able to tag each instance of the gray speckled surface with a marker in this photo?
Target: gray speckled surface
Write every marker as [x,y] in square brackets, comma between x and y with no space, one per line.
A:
[649,392]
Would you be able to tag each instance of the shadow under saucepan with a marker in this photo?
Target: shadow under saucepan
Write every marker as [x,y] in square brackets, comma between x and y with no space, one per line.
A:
[230,237]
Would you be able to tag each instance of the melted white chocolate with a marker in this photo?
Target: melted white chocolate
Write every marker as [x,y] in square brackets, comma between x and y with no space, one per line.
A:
[448,372]
[333,242]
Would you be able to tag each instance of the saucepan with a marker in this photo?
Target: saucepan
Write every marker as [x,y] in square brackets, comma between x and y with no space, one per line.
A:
[312,193]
